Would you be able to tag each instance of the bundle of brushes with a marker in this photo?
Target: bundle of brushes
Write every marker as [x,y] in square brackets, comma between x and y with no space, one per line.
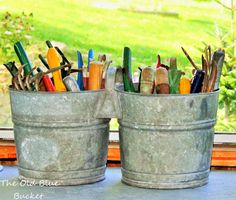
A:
[168,79]
[57,77]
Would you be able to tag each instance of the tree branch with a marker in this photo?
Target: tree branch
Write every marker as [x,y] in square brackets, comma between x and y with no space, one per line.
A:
[219,2]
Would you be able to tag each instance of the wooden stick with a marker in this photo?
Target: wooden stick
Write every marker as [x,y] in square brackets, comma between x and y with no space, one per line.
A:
[207,61]
[209,51]
[205,80]
[212,78]
[203,66]
[210,60]
[189,58]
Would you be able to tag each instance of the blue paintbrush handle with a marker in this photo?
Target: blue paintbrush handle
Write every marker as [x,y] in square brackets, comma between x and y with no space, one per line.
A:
[90,57]
[80,74]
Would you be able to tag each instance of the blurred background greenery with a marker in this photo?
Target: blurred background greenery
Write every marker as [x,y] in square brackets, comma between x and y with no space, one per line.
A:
[148,27]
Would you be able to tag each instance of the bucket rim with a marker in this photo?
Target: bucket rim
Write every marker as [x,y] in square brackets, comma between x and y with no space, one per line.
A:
[49,93]
[167,95]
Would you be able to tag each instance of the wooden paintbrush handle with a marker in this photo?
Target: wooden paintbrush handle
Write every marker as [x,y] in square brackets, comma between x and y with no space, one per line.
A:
[212,78]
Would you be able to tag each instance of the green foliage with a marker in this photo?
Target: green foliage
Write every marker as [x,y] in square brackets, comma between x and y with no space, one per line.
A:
[228,89]
[14,28]
[223,125]
[228,77]
[203,1]
[109,30]
[227,99]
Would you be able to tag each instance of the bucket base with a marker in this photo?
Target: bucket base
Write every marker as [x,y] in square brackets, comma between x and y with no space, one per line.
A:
[152,181]
[68,182]
[31,177]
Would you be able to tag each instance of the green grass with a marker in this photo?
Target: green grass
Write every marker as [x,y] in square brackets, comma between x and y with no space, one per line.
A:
[81,25]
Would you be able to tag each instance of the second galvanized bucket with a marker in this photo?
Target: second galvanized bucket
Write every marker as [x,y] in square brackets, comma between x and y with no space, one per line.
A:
[166,140]
[59,141]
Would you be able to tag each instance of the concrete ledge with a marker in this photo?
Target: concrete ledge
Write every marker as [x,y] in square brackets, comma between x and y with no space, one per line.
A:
[221,186]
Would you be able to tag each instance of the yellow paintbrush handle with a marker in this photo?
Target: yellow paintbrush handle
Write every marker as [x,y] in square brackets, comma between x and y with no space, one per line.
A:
[54,61]
[184,86]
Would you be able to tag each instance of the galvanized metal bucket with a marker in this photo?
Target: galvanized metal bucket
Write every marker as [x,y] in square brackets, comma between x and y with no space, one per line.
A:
[166,140]
[58,138]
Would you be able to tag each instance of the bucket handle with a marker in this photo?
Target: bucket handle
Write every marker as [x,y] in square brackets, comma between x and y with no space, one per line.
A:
[108,104]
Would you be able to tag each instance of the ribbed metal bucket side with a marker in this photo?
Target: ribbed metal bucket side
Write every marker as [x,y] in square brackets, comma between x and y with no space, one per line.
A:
[58,138]
[166,140]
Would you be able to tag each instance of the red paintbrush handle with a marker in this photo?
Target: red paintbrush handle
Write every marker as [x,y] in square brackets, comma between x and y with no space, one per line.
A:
[86,79]
[48,84]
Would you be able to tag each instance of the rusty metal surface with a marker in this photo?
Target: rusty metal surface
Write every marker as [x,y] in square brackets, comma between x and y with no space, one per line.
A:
[166,140]
[58,138]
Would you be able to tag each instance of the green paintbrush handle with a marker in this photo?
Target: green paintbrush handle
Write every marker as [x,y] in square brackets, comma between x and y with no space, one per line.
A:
[127,61]
[127,71]
[128,84]
[24,60]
